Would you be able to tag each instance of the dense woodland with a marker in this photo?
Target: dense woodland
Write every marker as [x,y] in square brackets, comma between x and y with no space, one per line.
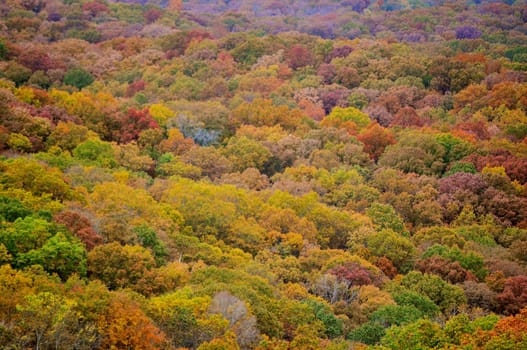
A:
[303,174]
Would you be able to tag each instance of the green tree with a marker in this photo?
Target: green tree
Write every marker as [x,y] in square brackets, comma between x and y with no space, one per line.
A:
[332,325]
[26,234]
[421,302]
[384,216]
[468,260]
[60,254]
[456,148]
[17,73]
[4,51]
[416,152]
[457,327]
[78,77]
[95,152]
[423,334]
[445,295]
[19,142]
[398,249]
[12,209]
[397,315]
[369,333]
[383,318]
[148,238]
[334,226]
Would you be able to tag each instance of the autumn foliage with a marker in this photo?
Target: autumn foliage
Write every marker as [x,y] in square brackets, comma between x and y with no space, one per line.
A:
[263,174]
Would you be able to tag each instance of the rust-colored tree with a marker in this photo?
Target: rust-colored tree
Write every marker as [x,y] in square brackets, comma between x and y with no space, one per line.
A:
[375,139]
[125,326]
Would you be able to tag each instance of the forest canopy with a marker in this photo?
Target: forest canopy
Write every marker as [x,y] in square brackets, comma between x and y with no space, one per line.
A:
[263,174]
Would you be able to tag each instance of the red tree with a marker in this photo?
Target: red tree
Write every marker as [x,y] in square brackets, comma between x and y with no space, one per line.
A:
[94,8]
[407,117]
[36,58]
[353,274]
[298,56]
[80,226]
[135,87]
[514,295]
[135,121]
[450,271]
[152,15]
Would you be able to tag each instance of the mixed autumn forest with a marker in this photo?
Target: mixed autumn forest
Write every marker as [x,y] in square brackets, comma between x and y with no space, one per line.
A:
[244,174]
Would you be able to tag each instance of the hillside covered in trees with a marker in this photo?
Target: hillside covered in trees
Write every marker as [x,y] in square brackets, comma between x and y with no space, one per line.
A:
[302,174]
